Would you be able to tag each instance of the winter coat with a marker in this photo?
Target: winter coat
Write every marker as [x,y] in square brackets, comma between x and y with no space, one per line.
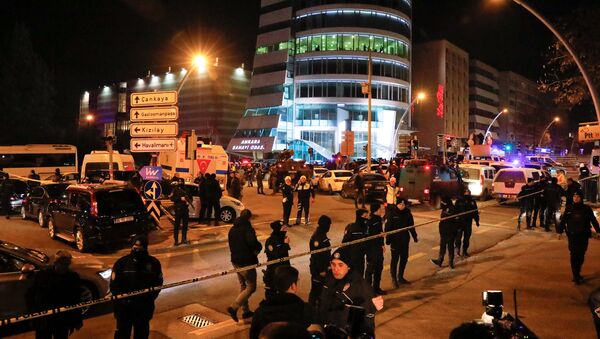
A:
[286,307]
[577,220]
[243,244]
[399,219]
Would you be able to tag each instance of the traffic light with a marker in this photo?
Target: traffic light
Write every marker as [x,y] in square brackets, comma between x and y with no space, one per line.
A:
[415,144]
[507,147]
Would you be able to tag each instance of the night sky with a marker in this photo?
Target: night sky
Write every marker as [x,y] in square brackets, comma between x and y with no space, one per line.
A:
[88,44]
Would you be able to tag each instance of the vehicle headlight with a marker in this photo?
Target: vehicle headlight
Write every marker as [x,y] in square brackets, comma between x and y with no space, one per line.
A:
[105,274]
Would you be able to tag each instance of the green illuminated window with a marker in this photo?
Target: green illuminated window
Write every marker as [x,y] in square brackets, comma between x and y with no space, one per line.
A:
[262,50]
[350,42]
[332,43]
[302,45]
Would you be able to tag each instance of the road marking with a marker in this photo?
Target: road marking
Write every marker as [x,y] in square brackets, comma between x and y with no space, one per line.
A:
[480,231]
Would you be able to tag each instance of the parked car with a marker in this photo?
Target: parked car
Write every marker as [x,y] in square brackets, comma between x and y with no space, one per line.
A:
[478,178]
[95,277]
[374,167]
[374,186]
[508,181]
[230,207]
[317,174]
[71,178]
[20,190]
[36,203]
[97,215]
[332,181]
[422,181]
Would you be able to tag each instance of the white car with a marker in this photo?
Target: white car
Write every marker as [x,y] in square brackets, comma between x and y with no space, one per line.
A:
[508,181]
[479,179]
[332,181]
[318,173]
[374,168]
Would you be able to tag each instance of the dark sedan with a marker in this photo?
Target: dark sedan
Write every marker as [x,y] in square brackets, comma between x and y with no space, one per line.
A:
[374,186]
[36,203]
[18,264]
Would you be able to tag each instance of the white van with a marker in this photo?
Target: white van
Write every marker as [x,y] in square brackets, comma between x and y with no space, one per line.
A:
[508,181]
[479,179]
[97,161]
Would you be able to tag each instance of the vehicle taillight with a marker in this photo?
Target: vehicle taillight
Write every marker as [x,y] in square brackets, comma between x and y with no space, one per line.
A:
[401,189]
[481,180]
[427,167]
[426,191]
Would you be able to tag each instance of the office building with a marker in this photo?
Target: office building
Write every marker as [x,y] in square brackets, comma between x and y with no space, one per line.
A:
[484,103]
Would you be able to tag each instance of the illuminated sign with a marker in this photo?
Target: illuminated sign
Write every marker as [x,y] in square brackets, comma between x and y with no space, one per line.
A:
[251,144]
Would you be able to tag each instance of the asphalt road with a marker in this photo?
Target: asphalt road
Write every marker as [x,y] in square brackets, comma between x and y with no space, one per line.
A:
[206,257]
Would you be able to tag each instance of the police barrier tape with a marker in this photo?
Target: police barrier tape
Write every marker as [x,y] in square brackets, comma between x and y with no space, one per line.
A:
[34,315]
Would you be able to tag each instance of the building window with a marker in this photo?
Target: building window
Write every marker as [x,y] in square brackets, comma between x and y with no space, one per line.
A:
[351,66]
[353,18]
[324,139]
[349,90]
[355,42]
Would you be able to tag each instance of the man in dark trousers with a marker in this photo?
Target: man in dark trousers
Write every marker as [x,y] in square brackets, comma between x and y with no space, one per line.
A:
[213,195]
[260,176]
[539,202]
[202,193]
[355,231]
[133,272]
[285,305]
[244,248]
[235,188]
[306,195]
[277,246]
[448,230]
[319,262]
[375,249]
[553,194]
[399,217]
[577,221]
[287,201]
[465,204]
[526,198]
[359,183]
[54,287]
[6,192]
[182,214]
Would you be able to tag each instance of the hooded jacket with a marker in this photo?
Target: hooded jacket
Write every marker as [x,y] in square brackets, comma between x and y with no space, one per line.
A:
[243,244]
[319,262]
[286,307]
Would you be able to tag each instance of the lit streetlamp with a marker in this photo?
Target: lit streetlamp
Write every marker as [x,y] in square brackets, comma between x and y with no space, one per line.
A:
[557,119]
[89,118]
[492,123]
[420,96]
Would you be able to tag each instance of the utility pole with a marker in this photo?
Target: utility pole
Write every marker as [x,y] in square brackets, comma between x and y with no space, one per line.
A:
[369,117]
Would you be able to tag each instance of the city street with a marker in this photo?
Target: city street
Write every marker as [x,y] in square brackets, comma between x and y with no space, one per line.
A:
[209,254]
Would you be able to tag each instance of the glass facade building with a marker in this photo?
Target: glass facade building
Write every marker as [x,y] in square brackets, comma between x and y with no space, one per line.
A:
[311,61]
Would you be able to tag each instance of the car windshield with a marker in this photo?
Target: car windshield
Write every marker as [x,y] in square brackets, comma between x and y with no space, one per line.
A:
[118,201]
[37,255]
[320,170]
[516,176]
[373,177]
[55,191]
[469,173]
[343,174]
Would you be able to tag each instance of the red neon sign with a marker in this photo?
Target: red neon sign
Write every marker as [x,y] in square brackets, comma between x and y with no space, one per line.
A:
[440,100]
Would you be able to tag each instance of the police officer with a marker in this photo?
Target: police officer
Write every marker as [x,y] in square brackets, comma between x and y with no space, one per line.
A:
[213,195]
[526,198]
[448,230]
[552,193]
[35,179]
[539,202]
[465,204]
[6,192]
[399,217]
[287,200]
[133,272]
[577,221]
[260,176]
[391,194]
[203,183]
[355,231]
[319,262]
[359,183]
[277,246]
[182,214]
[375,249]
[305,192]
[343,288]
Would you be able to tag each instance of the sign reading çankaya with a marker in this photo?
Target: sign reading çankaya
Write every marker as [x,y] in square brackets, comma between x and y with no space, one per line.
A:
[153,98]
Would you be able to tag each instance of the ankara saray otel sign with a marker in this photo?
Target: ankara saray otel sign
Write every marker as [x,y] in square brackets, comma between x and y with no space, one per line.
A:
[261,144]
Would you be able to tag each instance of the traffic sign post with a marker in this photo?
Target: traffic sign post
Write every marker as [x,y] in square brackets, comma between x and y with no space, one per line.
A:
[154,114]
[152,190]
[153,145]
[153,98]
[164,129]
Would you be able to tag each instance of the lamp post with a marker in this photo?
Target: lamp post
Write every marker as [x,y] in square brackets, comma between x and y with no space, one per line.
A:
[89,118]
[569,49]
[420,96]
[492,123]
[557,119]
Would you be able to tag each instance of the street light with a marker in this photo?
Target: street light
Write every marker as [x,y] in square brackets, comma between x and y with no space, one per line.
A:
[569,49]
[199,64]
[556,119]
[492,123]
[89,118]
[420,96]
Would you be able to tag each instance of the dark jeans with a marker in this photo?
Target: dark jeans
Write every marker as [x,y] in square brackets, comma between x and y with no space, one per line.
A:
[399,259]
[374,266]
[464,234]
[539,207]
[447,242]
[182,216]
[527,211]
[53,332]
[214,206]
[259,187]
[287,210]
[303,205]
[316,287]
[360,195]
[127,322]
[577,247]
[551,218]
[247,281]
[203,208]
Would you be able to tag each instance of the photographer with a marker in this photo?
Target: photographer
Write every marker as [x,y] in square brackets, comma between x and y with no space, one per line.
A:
[347,303]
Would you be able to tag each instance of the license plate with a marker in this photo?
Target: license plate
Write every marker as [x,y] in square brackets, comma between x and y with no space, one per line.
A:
[124,219]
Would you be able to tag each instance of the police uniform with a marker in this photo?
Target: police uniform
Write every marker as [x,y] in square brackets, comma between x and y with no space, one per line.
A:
[319,262]
[275,248]
[355,231]
[374,249]
[305,191]
[287,202]
[182,214]
[399,242]
[465,204]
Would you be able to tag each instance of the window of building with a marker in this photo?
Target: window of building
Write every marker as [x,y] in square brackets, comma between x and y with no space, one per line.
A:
[325,139]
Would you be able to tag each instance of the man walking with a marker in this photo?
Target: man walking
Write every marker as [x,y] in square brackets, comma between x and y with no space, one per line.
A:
[399,217]
[526,198]
[244,248]
[465,204]
[319,262]
[213,195]
[182,214]
[572,187]
[260,176]
[359,183]
[133,272]
[355,231]
[306,195]
[552,193]
[287,201]
[277,246]
[448,230]
[577,222]
[375,249]
[539,202]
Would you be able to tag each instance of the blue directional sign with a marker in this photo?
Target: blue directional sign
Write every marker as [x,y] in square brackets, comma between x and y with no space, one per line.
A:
[152,190]
[151,172]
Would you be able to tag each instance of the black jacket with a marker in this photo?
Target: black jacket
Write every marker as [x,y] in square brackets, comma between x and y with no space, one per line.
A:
[133,272]
[243,244]
[465,205]
[305,191]
[286,307]
[50,290]
[553,194]
[319,262]
[333,309]
[571,189]
[288,194]
[577,220]
[354,231]
[276,248]
[235,190]
[213,189]
[526,196]
[399,219]
[448,226]
[374,227]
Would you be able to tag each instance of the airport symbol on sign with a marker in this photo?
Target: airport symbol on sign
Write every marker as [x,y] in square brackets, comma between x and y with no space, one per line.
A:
[152,190]
[154,114]
[166,129]
[153,98]
[153,145]
[151,173]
